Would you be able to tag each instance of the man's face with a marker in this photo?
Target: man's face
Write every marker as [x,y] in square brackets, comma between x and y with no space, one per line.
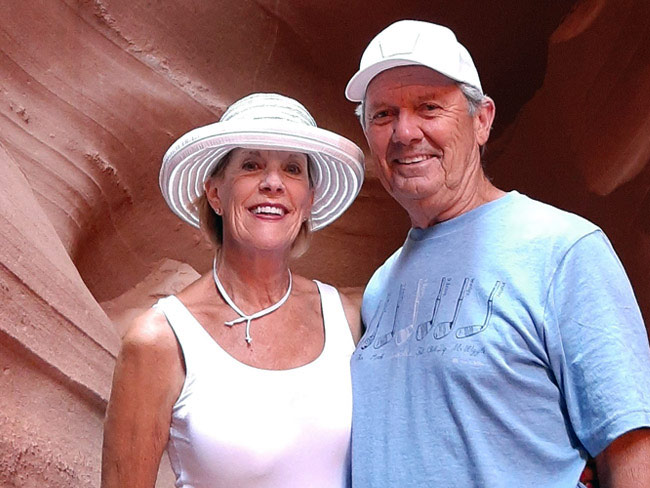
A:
[424,142]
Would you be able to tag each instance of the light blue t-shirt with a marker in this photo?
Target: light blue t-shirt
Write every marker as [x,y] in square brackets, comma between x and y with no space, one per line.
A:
[501,347]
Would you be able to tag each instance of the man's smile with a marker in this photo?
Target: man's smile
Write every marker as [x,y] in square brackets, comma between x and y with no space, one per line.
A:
[413,159]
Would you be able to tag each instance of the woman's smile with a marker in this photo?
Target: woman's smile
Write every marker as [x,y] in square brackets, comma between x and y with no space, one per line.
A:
[269,210]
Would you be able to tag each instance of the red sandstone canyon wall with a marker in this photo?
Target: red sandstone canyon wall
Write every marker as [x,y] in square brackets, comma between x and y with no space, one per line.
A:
[92,92]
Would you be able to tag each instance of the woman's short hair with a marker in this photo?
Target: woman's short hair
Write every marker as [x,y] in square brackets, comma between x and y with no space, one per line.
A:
[212,224]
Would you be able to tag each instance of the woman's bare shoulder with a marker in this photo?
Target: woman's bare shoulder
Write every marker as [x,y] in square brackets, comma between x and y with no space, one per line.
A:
[150,340]
[300,281]
[350,299]
[353,296]
[149,329]
[150,355]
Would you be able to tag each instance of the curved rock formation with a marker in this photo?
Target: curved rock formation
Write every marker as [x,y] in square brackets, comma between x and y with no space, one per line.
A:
[57,349]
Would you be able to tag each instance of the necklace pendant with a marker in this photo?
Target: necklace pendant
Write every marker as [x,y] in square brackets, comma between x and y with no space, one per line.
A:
[242,316]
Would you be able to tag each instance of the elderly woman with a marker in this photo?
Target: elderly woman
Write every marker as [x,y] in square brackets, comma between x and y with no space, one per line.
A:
[244,375]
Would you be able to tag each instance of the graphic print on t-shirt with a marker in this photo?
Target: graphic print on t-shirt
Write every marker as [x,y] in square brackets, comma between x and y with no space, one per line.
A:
[402,335]
[384,339]
[443,328]
[425,327]
[395,327]
[470,330]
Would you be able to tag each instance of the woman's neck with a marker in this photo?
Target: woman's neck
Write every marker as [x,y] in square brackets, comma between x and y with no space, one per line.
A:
[253,279]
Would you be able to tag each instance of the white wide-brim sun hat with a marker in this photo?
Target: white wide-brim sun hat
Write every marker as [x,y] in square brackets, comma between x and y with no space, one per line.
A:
[264,121]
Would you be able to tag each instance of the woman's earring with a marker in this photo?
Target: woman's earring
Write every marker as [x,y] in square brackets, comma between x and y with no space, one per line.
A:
[217,211]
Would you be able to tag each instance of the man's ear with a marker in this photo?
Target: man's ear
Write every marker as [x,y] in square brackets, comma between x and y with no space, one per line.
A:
[483,120]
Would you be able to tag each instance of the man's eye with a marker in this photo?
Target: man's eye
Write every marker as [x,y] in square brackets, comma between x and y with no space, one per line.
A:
[380,117]
[430,107]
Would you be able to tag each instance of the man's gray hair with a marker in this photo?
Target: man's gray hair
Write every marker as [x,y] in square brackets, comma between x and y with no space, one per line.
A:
[474,96]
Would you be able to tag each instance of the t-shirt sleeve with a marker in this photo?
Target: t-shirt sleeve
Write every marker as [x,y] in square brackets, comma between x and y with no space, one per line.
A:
[597,344]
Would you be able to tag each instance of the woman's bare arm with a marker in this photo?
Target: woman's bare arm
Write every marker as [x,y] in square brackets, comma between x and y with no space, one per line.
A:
[351,299]
[148,377]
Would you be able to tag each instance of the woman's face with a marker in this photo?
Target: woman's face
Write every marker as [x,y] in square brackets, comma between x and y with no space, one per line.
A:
[263,197]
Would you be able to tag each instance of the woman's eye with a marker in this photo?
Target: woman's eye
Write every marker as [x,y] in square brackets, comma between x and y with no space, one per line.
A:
[294,169]
[249,165]
[430,107]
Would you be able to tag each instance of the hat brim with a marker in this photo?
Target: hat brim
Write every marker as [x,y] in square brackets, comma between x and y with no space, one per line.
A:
[336,169]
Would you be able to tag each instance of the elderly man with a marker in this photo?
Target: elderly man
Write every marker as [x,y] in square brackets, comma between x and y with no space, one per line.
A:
[503,342]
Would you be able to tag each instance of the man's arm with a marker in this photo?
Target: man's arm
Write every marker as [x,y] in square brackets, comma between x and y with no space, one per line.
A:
[626,461]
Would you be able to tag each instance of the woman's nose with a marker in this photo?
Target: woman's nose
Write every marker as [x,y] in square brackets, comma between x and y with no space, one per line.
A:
[272,181]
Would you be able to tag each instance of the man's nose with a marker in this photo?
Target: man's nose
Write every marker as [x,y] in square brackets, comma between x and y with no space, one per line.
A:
[406,129]
[272,181]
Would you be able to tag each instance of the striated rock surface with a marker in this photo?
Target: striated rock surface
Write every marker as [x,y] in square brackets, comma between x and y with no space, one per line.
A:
[92,92]
[57,349]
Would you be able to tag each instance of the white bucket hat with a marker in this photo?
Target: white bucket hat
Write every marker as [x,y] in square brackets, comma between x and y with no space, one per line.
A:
[264,121]
[409,42]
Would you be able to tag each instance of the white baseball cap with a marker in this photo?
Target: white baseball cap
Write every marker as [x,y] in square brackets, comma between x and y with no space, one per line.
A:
[413,42]
[264,121]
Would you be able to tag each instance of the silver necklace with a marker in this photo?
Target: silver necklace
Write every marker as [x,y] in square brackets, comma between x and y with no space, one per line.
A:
[245,317]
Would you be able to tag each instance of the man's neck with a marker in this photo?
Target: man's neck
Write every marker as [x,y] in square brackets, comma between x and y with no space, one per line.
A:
[428,212]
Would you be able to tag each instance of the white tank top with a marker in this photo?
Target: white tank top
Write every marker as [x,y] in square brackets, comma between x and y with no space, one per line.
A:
[238,426]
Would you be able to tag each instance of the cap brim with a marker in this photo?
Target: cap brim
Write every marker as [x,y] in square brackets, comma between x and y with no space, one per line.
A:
[355,90]
[356,87]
